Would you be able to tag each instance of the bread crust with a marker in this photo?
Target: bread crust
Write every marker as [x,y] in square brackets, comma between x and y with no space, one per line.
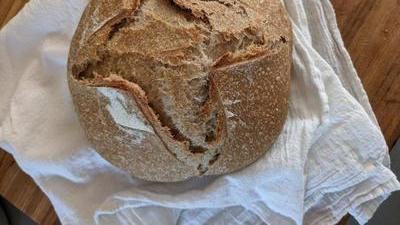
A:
[170,90]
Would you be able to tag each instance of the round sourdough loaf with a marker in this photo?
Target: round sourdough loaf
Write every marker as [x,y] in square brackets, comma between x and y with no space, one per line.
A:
[173,89]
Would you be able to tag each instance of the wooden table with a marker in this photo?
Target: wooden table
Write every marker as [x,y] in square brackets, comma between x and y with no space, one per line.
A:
[371,32]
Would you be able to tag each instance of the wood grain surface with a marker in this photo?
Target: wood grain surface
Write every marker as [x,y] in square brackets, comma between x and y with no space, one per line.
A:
[371,32]
[19,189]
[8,8]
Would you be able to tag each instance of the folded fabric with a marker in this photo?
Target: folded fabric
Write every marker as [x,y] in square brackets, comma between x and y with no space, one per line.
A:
[330,159]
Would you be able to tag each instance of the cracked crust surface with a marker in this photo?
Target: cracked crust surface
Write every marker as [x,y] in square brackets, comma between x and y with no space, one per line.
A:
[172,89]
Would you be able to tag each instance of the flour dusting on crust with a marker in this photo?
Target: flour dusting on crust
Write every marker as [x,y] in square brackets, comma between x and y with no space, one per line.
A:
[118,109]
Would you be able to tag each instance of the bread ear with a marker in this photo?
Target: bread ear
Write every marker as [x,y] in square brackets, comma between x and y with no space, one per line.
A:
[101,14]
[98,20]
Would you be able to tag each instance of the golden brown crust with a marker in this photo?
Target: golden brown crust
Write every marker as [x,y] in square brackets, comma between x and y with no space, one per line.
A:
[256,116]
[174,89]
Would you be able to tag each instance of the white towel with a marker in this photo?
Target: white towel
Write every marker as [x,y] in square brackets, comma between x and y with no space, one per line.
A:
[330,159]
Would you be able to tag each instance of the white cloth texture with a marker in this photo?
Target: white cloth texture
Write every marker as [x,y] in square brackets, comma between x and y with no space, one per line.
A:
[330,159]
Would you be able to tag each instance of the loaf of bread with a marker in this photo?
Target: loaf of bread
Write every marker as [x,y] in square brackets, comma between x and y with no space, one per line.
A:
[173,89]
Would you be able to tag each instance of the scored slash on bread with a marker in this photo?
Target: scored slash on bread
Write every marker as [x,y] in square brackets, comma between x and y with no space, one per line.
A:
[211,78]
